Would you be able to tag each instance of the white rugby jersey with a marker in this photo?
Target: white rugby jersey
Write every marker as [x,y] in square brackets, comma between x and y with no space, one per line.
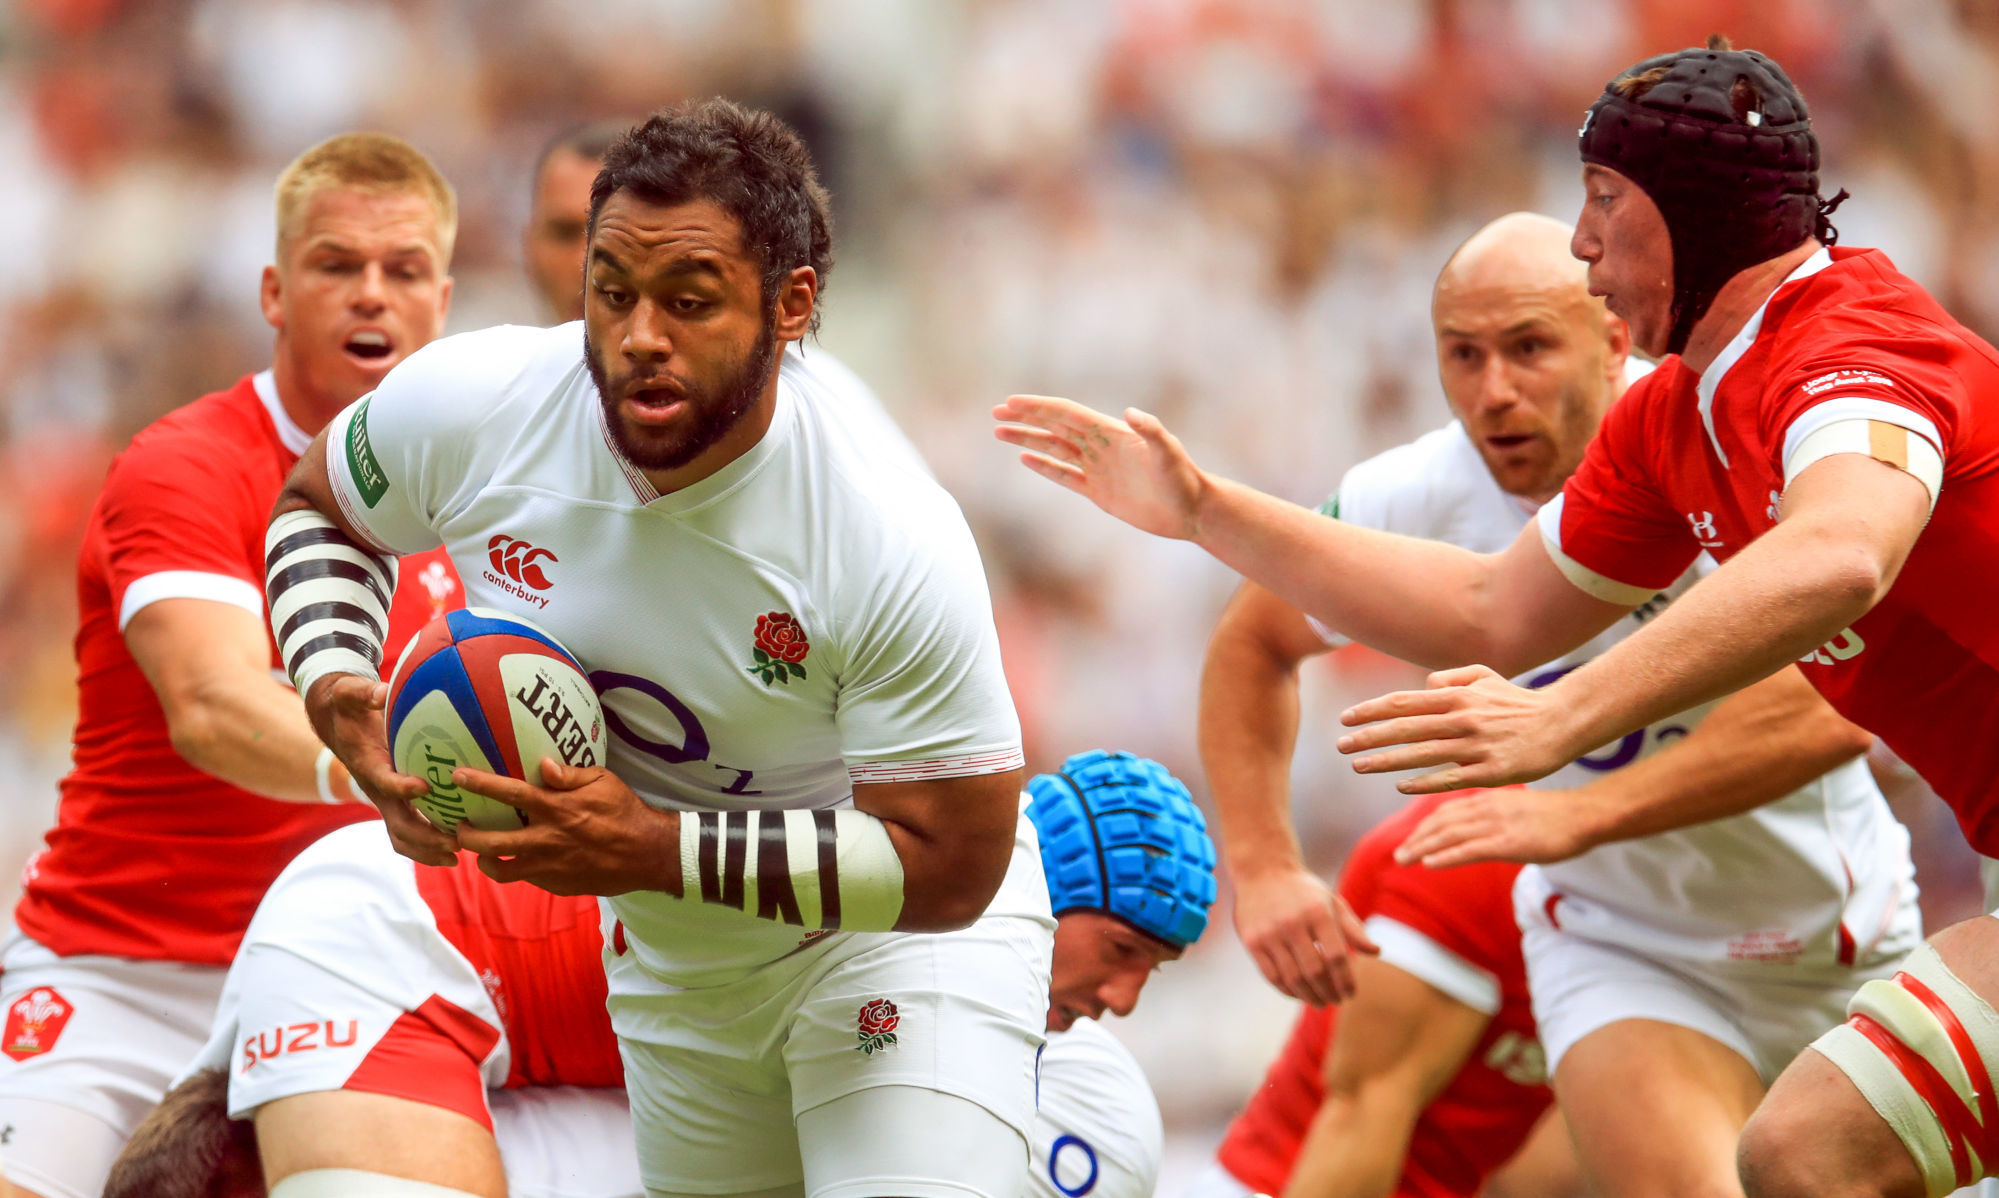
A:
[1813,881]
[810,617]
[1097,1130]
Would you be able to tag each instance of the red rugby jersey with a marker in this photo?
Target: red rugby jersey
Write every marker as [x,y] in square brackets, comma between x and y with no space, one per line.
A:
[1453,928]
[1686,462]
[150,857]
[541,958]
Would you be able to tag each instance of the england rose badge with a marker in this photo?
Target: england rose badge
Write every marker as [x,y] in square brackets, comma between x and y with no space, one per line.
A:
[780,648]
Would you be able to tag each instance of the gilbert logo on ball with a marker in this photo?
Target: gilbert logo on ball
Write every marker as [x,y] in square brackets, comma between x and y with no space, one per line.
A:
[492,691]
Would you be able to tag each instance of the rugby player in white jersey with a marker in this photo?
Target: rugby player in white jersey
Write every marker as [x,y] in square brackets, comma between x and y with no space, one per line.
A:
[814,753]
[1701,903]
[367,981]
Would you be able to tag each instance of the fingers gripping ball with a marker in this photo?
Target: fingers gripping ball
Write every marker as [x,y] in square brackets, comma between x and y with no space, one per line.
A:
[1121,835]
[488,690]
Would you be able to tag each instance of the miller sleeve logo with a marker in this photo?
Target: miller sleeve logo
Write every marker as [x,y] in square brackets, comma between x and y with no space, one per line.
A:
[34,1023]
[361,463]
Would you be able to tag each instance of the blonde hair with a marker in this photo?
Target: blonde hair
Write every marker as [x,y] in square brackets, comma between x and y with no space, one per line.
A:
[373,162]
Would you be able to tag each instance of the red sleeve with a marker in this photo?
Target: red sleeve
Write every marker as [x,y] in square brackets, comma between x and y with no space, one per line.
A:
[1467,910]
[173,521]
[1611,530]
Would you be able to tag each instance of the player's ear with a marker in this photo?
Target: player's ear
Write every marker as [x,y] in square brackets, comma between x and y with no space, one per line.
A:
[270,297]
[797,298]
[1617,338]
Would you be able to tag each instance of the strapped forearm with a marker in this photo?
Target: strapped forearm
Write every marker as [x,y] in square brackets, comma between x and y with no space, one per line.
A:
[820,870]
[329,598]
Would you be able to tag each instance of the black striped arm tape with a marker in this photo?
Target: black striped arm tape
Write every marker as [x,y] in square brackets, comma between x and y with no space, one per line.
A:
[329,599]
[830,870]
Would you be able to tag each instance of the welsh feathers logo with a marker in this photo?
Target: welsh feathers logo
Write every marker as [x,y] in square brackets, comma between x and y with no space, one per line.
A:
[519,560]
[34,1023]
[780,651]
[875,1025]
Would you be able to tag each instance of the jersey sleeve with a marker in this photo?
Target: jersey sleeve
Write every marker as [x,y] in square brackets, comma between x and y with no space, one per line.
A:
[921,691]
[1097,1130]
[1451,928]
[1892,399]
[403,457]
[175,527]
[1611,531]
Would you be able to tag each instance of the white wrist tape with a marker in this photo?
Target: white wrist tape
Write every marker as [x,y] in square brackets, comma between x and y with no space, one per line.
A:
[831,870]
[322,773]
[329,599]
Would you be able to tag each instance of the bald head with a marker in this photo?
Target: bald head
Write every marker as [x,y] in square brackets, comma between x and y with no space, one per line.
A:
[1528,358]
[1519,252]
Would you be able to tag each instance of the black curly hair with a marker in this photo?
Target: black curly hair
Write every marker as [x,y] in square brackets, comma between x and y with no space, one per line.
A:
[746,160]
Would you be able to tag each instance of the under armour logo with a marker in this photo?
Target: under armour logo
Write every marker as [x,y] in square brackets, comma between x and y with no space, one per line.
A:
[517,560]
[1703,525]
[7,1134]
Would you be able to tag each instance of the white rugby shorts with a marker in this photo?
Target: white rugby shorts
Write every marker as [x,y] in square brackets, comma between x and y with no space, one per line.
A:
[719,1075]
[566,1142]
[90,1045]
[1580,985]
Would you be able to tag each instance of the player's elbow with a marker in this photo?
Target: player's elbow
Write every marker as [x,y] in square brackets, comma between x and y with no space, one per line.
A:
[195,730]
[952,890]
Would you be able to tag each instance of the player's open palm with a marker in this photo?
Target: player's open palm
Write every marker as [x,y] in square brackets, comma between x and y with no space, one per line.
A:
[1527,827]
[587,832]
[346,712]
[1132,468]
[1482,729]
[1300,934]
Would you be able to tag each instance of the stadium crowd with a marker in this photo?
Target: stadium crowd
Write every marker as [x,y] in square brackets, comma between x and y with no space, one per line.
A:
[1227,212]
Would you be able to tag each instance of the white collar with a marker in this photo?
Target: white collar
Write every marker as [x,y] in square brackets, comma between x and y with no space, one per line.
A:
[1710,379]
[290,435]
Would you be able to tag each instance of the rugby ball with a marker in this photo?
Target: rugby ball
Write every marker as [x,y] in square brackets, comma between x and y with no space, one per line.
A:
[485,689]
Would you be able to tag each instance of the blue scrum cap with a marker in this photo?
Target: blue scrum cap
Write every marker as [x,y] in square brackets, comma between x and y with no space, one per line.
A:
[1121,835]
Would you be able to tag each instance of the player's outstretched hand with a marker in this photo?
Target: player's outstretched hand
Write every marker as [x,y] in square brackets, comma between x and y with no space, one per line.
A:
[587,833]
[1132,468]
[1526,827]
[1300,933]
[346,711]
[1483,729]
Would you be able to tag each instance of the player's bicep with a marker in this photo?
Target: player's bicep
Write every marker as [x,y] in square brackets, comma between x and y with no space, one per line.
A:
[1861,503]
[933,810]
[1541,604]
[1400,1035]
[186,647]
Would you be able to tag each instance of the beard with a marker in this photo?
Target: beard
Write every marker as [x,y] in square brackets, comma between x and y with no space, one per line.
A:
[715,410]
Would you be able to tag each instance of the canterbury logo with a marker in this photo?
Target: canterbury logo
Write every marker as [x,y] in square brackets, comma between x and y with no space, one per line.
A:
[517,560]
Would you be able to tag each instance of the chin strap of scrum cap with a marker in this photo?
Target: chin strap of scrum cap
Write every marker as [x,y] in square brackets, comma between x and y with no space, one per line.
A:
[1723,144]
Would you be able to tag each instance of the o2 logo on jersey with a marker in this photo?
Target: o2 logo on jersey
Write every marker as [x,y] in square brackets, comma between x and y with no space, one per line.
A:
[1073,1159]
[693,744]
[519,560]
[1840,648]
[1626,750]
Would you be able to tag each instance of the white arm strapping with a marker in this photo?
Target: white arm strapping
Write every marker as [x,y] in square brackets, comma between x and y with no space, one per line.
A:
[831,870]
[329,599]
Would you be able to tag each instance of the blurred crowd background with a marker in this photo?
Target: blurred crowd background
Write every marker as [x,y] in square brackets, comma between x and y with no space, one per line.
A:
[1228,212]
